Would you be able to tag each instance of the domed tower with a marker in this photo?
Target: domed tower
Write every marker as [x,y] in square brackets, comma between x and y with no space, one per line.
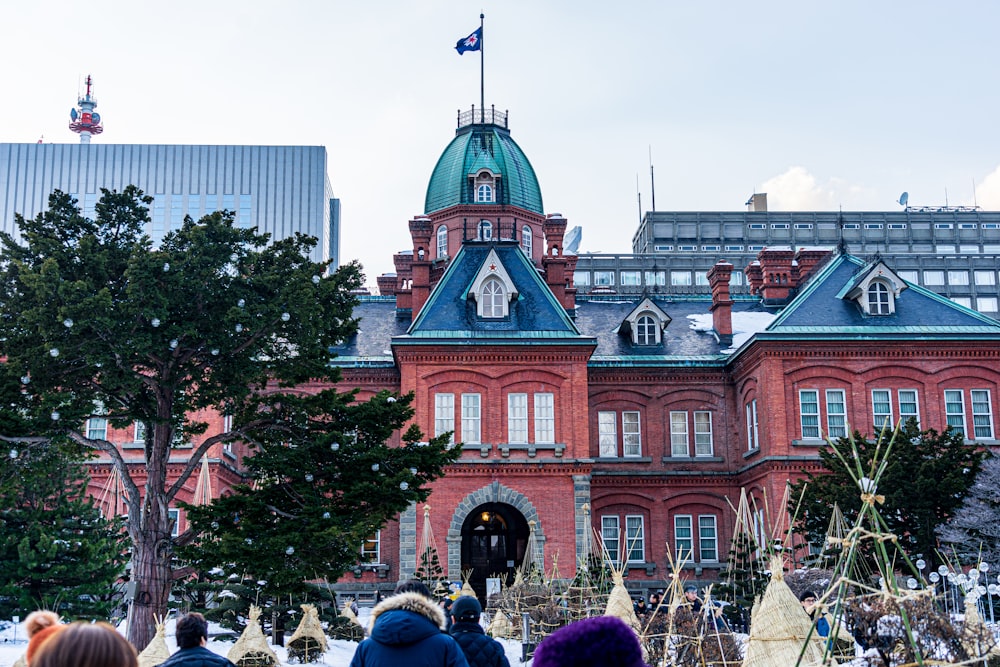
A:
[482,189]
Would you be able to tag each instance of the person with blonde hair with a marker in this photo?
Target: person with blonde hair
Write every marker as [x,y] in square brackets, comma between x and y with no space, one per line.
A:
[84,644]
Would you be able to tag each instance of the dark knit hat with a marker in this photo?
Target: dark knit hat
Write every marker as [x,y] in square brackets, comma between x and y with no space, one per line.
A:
[466,608]
[806,595]
[593,642]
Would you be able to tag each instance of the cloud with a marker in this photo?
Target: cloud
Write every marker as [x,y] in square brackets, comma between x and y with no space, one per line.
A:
[797,190]
[988,192]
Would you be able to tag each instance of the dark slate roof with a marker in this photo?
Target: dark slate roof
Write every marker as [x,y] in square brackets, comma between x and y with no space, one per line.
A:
[534,316]
[601,318]
[371,345]
[818,310]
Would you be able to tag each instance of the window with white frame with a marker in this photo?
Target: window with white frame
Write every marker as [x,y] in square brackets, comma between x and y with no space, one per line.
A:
[607,433]
[227,426]
[656,278]
[986,277]
[140,432]
[630,278]
[678,434]
[809,413]
[908,406]
[962,301]
[611,537]
[604,278]
[635,539]
[703,433]
[494,299]
[371,549]
[909,276]
[471,419]
[954,409]
[442,242]
[174,518]
[958,277]
[986,304]
[882,409]
[708,539]
[645,330]
[982,414]
[526,240]
[581,278]
[836,413]
[444,415]
[97,426]
[680,278]
[631,434]
[736,278]
[933,277]
[683,538]
[878,298]
[484,194]
[485,230]
[545,418]
[753,437]
[517,418]
[701,278]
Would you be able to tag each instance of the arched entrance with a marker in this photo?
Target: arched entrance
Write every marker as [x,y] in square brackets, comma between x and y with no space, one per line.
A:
[494,540]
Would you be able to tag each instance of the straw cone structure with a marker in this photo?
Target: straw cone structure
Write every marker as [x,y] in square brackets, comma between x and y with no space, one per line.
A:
[348,613]
[156,651]
[620,603]
[779,630]
[251,649]
[976,637]
[501,627]
[308,642]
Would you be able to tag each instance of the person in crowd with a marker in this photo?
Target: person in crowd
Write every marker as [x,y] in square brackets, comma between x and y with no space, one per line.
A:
[808,601]
[479,649]
[408,629]
[640,608]
[654,599]
[192,635]
[445,604]
[84,644]
[601,640]
[691,599]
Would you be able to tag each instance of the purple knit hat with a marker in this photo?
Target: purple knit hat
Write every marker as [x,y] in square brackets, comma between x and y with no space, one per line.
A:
[593,642]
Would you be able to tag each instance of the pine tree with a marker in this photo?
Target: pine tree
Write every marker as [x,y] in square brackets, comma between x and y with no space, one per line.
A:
[974,530]
[429,571]
[56,550]
[745,579]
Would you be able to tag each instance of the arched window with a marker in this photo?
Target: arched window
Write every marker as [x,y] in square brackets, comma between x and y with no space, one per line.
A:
[493,298]
[878,299]
[442,242]
[526,240]
[645,330]
[484,194]
[485,230]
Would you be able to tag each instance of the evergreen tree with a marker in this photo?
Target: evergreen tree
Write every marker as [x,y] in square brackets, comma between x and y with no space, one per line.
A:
[56,550]
[745,579]
[926,478]
[974,530]
[217,317]
[429,570]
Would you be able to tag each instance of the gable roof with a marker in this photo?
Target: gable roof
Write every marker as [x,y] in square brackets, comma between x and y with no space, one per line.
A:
[820,310]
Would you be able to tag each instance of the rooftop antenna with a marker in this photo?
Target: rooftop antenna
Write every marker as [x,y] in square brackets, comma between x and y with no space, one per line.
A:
[84,120]
[946,197]
[652,181]
[638,196]
[975,202]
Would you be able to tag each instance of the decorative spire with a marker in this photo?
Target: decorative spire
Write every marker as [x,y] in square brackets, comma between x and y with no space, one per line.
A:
[83,119]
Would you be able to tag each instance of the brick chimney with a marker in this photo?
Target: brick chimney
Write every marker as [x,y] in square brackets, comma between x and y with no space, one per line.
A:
[776,266]
[755,276]
[387,283]
[420,231]
[558,269]
[722,303]
[807,259]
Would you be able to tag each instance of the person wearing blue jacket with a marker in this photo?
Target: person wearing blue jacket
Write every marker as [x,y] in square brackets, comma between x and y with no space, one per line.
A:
[408,629]
[480,650]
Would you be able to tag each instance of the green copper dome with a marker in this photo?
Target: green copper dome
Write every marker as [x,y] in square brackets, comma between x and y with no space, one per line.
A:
[478,147]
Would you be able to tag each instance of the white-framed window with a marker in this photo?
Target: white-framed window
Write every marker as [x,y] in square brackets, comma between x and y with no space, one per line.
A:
[982,414]
[97,426]
[882,409]
[517,418]
[471,419]
[710,248]
[944,249]
[851,225]
[227,426]
[581,278]
[753,437]
[986,304]
[139,432]
[986,277]
[897,225]
[701,278]
[678,434]
[484,194]
[545,418]
[680,278]
[611,538]
[371,549]
[708,539]
[686,248]
[908,406]
[878,299]
[962,301]
[967,225]
[442,242]
[803,225]
[703,445]
[662,248]
[958,277]
[635,538]
[933,277]
[174,517]
[631,434]
[757,225]
[526,240]
[656,278]
[485,230]
[942,225]
[734,248]
[604,278]
[736,278]
[873,225]
[444,415]
[909,276]
[494,299]
[836,413]
[683,538]
[779,225]
[631,278]
[645,330]
[809,413]
[954,409]
[607,433]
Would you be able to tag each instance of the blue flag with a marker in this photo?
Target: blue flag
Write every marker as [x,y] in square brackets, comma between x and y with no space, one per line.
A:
[473,42]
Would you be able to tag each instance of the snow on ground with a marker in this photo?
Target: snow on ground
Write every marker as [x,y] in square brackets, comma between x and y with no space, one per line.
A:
[14,642]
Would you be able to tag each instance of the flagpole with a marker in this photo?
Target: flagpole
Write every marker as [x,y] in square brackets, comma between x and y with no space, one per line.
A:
[482,70]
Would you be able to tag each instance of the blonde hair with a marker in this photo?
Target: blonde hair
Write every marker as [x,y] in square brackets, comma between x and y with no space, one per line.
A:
[85,644]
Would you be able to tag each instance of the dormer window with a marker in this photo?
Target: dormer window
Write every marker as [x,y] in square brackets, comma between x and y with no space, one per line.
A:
[442,242]
[878,298]
[645,324]
[645,330]
[493,299]
[485,230]
[484,194]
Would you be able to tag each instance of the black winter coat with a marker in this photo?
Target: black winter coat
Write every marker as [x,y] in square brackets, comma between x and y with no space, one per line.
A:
[480,650]
[196,656]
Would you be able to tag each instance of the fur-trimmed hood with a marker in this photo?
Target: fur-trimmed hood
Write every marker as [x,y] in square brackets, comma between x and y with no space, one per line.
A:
[406,618]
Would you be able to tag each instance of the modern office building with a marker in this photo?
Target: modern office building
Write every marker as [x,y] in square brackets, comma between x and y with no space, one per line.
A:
[279,189]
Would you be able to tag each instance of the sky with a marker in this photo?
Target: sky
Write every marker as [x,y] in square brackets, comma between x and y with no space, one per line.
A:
[823,105]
